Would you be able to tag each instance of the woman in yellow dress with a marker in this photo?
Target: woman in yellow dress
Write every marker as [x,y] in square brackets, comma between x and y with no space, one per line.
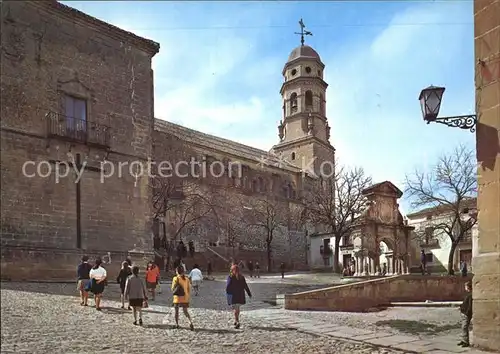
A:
[181,288]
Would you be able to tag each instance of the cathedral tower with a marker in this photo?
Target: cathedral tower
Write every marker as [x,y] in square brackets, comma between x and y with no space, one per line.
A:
[304,132]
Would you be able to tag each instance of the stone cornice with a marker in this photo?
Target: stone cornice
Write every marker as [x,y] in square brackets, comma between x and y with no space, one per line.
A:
[302,59]
[302,141]
[304,115]
[303,79]
[81,18]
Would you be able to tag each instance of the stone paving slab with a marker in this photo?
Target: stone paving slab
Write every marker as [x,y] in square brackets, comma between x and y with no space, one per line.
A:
[372,335]
[392,340]
[348,332]
[420,346]
[448,347]
[440,344]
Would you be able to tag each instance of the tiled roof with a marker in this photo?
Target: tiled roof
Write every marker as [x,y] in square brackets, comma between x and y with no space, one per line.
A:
[470,203]
[223,145]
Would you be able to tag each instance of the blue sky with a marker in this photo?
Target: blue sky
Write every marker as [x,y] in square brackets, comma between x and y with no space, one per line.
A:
[219,70]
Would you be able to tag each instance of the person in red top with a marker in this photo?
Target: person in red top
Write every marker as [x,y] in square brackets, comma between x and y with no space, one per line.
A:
[152,278]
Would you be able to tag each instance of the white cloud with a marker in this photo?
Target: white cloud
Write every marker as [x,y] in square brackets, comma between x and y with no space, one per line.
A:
[372,100]
[217,82]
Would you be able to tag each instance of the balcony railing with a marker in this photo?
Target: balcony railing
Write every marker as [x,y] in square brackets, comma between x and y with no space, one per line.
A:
[77,130]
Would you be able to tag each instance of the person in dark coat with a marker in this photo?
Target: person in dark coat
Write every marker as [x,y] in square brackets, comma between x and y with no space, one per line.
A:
[463,268]
[250,268]
[122,278]
[282,269]
[235,289]
[466,315]
[423,262]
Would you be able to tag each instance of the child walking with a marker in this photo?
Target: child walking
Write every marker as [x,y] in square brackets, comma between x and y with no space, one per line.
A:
[135,291]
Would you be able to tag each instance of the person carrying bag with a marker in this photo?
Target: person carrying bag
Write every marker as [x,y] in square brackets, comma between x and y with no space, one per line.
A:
[181,290]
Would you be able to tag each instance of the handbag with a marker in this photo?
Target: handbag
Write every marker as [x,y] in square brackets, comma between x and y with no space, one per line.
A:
[178,289]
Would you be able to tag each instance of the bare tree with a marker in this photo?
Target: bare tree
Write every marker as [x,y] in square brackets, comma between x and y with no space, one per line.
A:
[334,203]
[181,200]
[267,214]
[229,216]
[448,187]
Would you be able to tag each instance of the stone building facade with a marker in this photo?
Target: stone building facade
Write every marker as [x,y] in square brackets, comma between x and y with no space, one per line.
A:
[486,292]
[76,89]
[78,106]
[436,244]
[279,176]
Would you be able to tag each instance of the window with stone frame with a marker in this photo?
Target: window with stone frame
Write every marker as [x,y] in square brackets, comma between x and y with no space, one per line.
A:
[293,103]
[75,114]
[309,99]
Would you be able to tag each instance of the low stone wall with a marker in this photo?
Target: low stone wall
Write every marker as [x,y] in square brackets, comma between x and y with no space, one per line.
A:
[24,263]
[379,292]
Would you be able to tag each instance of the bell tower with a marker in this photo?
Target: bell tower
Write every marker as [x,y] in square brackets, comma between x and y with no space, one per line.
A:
[304,133]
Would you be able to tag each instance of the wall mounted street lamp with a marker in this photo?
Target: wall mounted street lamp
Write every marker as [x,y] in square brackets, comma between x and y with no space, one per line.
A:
[430,101]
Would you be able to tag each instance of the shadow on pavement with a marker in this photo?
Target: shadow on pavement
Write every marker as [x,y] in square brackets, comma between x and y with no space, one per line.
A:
[206,330]
[273,329]
[119,311]
[417,327]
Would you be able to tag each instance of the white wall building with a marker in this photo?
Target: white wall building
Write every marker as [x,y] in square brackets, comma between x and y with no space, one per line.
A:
[321,251]
[436,244]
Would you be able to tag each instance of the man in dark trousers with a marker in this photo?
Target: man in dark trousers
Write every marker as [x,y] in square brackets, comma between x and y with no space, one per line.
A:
[250,268]
[423,262]
[466,315]
[282,268]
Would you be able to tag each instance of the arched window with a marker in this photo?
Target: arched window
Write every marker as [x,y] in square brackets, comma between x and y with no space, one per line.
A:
[309,98]
[293,156]
[293,102]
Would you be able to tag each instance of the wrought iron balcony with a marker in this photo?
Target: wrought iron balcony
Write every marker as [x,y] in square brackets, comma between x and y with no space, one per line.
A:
[77,130]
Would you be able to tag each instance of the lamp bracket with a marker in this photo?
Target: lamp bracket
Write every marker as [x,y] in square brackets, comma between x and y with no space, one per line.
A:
[463,122]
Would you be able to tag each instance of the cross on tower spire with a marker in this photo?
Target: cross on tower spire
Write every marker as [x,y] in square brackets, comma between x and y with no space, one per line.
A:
[303,32]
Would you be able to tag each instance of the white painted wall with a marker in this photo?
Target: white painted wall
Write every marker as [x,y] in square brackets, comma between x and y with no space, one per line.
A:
[441,252]
[316,258]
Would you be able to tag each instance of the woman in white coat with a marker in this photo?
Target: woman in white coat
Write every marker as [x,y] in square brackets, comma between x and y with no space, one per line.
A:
[196,278]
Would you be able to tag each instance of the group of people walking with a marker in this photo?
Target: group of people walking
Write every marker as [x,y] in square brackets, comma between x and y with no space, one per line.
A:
[93,279]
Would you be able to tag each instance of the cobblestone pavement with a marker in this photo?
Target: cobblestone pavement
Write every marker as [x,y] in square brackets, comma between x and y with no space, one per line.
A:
[38,317]
[38,321]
